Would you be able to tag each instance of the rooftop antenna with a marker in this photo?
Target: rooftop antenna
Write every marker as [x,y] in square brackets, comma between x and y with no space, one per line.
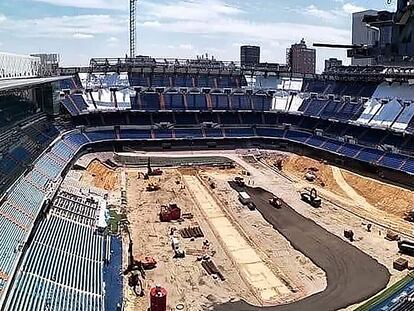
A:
[132,27]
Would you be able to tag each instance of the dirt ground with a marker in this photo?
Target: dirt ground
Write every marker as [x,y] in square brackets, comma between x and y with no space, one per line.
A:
[100,176]
[188,283]
[185,279]
[302,275]
[352,275]
[391,199]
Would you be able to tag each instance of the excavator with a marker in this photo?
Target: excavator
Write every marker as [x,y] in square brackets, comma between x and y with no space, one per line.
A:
[310,196]
[151,172]
[136,269]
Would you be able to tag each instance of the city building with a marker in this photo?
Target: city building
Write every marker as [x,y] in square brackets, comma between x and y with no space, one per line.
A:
[363,34]
[249,55]
[18,66]
[49,63]
[332,63]
[301,59]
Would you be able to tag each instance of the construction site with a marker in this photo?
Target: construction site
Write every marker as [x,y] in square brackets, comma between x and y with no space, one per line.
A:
[248,229]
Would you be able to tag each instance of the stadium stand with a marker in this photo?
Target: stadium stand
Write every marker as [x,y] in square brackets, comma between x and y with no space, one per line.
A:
[186,80]
[80,286]
[346,120]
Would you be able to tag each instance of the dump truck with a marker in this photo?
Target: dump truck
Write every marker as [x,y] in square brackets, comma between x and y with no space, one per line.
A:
[310,196]
[406,247]
[276,202]
[239,181]
[251,206]
[244,198]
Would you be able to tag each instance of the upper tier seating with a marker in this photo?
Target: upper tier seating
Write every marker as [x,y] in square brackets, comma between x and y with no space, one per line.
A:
[14,109]
[354,89]
[186,80]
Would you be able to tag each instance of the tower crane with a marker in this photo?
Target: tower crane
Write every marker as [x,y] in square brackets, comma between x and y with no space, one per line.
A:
[132,27]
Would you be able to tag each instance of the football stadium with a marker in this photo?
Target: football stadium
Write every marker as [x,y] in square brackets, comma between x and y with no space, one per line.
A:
[140,183]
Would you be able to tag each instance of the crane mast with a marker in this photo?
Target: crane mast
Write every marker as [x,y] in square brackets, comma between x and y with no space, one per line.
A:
[132,27]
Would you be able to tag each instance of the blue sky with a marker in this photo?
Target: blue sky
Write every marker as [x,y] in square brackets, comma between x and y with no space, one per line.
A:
[81,29]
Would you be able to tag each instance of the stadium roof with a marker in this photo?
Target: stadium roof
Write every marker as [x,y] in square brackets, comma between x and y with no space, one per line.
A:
[11,84]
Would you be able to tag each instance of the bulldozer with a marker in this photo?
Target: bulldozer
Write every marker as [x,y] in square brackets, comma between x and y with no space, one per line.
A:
[310,196]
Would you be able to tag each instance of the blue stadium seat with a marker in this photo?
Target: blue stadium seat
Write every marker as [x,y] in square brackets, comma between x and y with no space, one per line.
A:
[150,101]
[370,155]
[102,135]
[332,145]
[394,161]
[349,150]
[188,133]
[219,101]
[298,136]
[270,132]
[316,141]
[135,134]
[239,132]
[213,132]
[196,102]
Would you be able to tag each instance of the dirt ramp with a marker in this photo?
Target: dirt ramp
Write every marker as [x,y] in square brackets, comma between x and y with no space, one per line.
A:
[352,275]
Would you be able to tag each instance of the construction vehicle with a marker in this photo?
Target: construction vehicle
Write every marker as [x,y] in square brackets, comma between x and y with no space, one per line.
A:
[151,187]
[244,198]
[406,247]
[135,270]
[310,196]
[239,181]
[276,202]
[409,216]
[251,206]
[148,263]
[150,171]
[349,234]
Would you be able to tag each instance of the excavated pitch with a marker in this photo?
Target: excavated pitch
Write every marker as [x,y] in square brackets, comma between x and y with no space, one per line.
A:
[352,275]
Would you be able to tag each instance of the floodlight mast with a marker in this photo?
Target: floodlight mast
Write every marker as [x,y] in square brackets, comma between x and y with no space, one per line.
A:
[132,27]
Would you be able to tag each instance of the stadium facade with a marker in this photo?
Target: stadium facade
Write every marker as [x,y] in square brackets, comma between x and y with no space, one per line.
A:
[364,124]
[18,66]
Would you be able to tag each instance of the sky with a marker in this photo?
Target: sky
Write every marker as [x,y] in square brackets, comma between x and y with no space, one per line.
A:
[81,29]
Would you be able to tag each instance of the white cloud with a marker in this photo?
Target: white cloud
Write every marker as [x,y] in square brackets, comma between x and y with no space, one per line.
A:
[255,31]
[206,10]
[92,4]
[352,8]
[186,46]
[2,18]
[77,27]
[82,36]
[339,13]
[112,40]
[312,10]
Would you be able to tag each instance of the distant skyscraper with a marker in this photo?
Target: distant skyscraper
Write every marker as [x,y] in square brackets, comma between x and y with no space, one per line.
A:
[332,63]
[363,34]
[301,59]
[249,55]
